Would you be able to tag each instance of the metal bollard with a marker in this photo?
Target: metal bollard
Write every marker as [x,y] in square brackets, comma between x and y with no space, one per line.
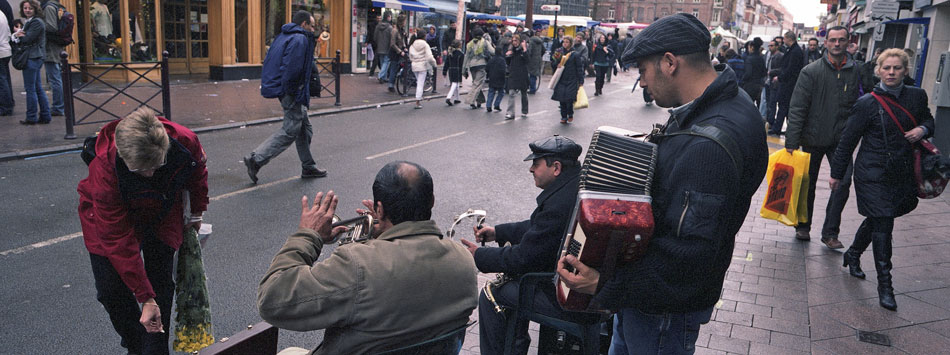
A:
[68,115]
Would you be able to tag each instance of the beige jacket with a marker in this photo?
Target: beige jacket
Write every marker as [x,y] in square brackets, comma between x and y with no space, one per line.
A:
[404,287]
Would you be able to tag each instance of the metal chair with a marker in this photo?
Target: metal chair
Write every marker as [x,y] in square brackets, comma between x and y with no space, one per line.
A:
[585,326]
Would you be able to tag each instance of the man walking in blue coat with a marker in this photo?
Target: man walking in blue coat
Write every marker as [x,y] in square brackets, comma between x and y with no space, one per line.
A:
[286,75]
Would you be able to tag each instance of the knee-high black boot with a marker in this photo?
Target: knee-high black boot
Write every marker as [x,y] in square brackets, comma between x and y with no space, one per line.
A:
[882,262]
[852,257]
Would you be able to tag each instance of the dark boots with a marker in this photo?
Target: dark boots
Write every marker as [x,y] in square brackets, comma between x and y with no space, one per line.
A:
[852,257]
[882,262]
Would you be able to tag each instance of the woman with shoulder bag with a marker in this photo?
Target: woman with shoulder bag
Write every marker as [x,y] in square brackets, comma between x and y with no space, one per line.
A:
[572,77]
[32,40]
[884,180]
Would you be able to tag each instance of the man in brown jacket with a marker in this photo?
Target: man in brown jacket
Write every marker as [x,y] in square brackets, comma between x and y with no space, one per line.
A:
[406,285]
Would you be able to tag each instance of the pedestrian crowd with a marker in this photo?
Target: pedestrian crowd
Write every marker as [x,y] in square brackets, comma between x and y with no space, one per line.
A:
[31,43]
[711,158]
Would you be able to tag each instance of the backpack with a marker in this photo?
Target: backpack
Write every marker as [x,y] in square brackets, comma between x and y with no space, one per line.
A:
[64,26]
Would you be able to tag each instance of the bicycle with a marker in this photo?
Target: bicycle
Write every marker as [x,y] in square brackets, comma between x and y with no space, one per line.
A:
[406,79]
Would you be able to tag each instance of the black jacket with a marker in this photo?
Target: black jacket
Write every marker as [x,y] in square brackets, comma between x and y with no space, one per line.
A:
[599,56]
[497,72]
[884,186]
[571,78]
[755,72]
[518,69]
[699,204]
[792,63]
[453,66]
[535,243]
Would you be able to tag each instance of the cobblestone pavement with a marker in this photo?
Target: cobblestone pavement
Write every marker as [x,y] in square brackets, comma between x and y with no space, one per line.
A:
[784,296]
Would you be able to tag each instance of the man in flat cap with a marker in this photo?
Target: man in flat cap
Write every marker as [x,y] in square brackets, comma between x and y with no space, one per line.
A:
[711,158]
[532,245]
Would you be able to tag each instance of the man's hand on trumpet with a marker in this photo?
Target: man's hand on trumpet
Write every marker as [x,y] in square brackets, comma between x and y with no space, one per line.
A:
[320,217]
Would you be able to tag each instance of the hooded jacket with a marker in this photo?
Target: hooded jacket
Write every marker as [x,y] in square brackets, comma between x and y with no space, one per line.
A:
[535,55]
[497,72]
[118,209]
[453,65]
[699,204]
[383,35]
[477,52]
[289,64]
[50,16]
[420,53]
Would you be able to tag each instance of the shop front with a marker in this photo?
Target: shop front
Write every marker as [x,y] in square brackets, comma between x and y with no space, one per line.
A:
[224,39]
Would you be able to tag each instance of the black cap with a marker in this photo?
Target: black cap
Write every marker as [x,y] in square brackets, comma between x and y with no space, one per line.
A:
[678,34]
[556,146]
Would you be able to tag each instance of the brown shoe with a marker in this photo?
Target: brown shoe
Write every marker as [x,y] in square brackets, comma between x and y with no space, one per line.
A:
[832,242]
[802,234]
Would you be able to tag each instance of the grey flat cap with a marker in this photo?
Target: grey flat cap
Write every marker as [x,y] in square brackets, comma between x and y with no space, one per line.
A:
[678,34]
[556,146]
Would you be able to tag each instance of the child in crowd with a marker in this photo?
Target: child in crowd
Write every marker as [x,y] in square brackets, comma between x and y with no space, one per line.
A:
[497,76]
[453,68]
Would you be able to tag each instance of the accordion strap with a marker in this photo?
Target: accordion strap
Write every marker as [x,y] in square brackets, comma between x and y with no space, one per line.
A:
[717,135]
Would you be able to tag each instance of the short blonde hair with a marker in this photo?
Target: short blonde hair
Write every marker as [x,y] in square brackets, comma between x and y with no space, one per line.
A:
[893,52]
[141,140]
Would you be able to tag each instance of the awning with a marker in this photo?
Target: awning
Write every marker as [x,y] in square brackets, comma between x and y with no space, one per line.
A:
[561,20]
[448,7]
[481,16]
[405,5]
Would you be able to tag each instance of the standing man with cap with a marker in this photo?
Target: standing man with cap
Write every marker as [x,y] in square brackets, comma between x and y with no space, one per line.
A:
[533,244]
[711,158]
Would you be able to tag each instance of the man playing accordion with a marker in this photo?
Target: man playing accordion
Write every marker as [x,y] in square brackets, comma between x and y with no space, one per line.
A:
[703,186]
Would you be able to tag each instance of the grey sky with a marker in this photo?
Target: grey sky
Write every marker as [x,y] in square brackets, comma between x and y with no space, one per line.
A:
[805,11]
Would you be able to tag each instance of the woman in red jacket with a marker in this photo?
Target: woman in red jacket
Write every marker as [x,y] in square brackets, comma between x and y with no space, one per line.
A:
[131,207]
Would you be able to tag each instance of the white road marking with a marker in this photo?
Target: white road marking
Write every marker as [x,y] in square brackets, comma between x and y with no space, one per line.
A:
[254,188]
[44,243]
[397,150]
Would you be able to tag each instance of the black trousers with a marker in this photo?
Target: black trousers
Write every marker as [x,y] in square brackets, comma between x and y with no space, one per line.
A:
[120,303]
[567,109]
[601,76]
[493,326]
[838,198]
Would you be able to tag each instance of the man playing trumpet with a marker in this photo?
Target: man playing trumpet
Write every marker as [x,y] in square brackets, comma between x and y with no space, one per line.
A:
[366,295]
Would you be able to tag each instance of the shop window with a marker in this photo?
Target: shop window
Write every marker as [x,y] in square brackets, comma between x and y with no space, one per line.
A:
[274,17]
[240,31]
[142,30]
[321,17]
[105,31]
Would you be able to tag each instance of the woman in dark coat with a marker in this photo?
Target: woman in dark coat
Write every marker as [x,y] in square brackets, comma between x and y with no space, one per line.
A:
[602,55]
[883,170]
[33,36]
[572,77]
[453,68]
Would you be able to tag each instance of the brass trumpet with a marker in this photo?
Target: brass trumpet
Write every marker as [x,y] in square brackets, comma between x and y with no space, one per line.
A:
[358,229]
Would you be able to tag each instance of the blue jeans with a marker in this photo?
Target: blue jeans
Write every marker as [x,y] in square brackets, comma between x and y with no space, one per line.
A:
[296,129]
[763,102]
[35,96]
[533,82]
[393,70]
[636,332]
[383,67]
[54,79]
[6,88]
[496,95]
[771,98]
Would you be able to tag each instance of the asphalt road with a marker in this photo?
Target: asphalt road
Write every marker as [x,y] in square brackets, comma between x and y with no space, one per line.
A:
[48,305]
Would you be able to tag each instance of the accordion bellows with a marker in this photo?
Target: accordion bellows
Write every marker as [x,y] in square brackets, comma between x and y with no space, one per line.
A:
[613,217]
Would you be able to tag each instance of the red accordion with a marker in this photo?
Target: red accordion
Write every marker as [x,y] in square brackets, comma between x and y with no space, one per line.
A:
[613,218]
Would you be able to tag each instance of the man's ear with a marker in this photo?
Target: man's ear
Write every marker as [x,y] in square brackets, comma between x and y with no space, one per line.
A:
[380,212]
[672,61]
[558,168]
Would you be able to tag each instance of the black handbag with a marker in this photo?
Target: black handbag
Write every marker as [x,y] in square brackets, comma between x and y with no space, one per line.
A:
[315,85]
[21,55]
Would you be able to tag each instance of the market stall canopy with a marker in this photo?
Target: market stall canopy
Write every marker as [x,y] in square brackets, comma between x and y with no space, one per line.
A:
[449,7]
[561,20]
[723,32]
[406,5]
[481,16]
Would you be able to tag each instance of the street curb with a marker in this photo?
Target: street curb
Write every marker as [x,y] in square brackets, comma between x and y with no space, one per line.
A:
[24,154]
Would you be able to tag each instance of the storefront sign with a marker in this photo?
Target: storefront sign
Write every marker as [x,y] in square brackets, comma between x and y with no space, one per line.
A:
[884,10]
[879,33]
[547,7]
[919,4]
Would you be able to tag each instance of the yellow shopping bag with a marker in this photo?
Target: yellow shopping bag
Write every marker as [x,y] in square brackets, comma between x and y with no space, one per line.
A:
[581,101]
[788,187]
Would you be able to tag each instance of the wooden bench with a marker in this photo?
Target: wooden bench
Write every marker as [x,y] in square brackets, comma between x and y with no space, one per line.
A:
[257,339]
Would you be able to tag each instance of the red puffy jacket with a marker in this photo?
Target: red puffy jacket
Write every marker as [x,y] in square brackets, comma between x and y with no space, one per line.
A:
[108,219]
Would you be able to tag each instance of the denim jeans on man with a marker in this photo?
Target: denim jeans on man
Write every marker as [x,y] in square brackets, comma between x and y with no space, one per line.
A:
[394,69]
[383,67]
[494,98]
[6,88]
[636,332]
[54,79]
[838,197]
[35,96]
[764,102]
[296,129]
[533,83]
[121,305]
[771,99]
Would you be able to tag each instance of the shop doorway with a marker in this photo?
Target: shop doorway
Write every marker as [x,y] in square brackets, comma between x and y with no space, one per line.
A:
[185,26]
